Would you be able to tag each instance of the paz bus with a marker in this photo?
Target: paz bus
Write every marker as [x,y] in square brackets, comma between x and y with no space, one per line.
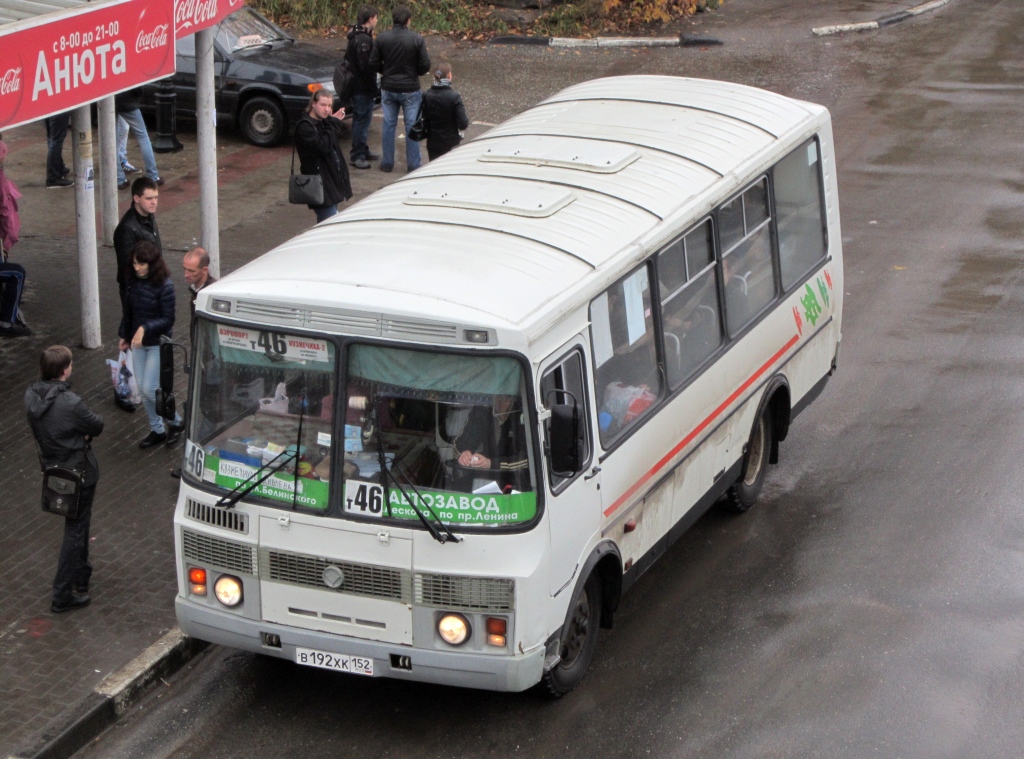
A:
[437,436]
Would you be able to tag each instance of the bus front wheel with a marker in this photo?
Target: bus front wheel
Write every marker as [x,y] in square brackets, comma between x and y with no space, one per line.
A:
[579,641]
[744,492]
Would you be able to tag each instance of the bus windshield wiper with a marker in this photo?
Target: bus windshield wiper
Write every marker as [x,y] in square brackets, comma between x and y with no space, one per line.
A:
[244,488]
[386,473]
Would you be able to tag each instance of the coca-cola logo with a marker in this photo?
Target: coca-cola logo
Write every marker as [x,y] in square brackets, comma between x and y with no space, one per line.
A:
[11,81]
[152,40]
[194,11]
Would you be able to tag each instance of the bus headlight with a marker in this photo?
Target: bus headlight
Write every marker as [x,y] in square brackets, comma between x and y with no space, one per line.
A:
[228,590]
[453,629]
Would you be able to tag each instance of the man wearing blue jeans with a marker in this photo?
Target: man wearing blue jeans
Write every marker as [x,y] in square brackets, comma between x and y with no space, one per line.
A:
[400,55]
[129,117]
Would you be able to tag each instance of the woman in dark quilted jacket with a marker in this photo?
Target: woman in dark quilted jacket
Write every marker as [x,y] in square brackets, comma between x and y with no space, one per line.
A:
[148,316]
[444,115]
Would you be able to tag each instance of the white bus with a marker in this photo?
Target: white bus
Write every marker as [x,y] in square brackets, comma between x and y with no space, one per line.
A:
[437,436]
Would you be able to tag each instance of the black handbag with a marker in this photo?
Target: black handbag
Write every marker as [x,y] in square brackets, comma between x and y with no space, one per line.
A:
[419,130]
[62,488]
[305,189]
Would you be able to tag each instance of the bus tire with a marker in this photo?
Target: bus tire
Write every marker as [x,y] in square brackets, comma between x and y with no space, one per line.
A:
[744,492]
[579,641]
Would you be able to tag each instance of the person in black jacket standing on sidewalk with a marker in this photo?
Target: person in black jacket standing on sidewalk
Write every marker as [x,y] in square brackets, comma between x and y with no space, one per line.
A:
[137,225]
[357,55]
[316,141]
[443,114]
[401,56]
[63,427]
[149,315]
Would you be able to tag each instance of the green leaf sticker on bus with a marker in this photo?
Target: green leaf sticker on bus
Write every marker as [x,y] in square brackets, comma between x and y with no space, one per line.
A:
[487,509]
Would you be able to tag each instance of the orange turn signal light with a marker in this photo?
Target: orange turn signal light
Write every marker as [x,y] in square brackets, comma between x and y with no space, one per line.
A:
[197,575]
[314,86]
[497,626]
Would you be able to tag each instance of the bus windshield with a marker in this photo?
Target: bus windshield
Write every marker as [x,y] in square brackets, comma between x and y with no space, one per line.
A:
[449,431]
[255,391]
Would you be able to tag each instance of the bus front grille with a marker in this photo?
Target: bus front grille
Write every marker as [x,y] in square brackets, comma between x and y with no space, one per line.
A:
[357,579]
[225,554]
[227,519]
[483,594]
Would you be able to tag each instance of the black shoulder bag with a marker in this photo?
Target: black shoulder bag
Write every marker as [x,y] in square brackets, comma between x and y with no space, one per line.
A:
[305,189]
[61,490]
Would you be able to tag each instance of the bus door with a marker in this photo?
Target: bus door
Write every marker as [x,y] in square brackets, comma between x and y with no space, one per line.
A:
[574,502]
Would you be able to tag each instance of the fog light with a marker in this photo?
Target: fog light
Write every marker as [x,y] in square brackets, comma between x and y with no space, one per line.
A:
[453,629]
[228,590]
[197,581]
[496,640]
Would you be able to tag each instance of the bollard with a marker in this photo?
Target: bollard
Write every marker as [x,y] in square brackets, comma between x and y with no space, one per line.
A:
[166,119]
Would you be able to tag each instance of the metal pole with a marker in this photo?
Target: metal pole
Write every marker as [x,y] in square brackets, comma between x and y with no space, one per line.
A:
[108,168]
[206,146]
[85,213]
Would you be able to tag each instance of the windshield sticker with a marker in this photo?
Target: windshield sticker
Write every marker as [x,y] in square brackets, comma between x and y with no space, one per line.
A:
[260,341]
[229,475]
[490,509]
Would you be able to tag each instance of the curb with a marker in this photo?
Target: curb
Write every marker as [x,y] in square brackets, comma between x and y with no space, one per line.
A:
[81,722]
[892,18]
[683,40]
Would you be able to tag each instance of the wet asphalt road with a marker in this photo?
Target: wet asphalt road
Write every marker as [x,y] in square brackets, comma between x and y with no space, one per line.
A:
[871,603]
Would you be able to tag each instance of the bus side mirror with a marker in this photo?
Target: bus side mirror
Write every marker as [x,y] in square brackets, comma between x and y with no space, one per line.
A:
[164,396]
[565,439]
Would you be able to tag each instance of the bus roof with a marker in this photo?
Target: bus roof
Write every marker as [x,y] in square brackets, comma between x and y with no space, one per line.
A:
[502,231]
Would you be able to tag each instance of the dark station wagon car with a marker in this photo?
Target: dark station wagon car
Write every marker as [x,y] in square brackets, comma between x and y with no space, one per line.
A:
[262,77]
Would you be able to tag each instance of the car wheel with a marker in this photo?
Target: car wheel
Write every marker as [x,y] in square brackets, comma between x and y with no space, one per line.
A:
[747,488]
[262,122]
[579,641]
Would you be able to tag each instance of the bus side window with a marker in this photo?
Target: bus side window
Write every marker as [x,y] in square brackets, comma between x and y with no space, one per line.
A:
[800,212]
[689,305]
[627,379]
[747,266]
[566,375]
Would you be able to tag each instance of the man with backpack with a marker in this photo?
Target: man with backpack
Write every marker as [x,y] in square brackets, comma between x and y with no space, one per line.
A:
[362,85]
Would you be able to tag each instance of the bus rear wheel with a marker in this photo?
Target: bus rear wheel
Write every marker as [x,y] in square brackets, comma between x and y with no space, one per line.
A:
[744,492]
[579,641]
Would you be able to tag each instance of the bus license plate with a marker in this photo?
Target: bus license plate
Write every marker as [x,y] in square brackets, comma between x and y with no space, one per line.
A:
[356,665]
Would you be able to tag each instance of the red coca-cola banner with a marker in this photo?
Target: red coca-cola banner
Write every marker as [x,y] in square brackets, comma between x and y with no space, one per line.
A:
[192,15]
[65,59]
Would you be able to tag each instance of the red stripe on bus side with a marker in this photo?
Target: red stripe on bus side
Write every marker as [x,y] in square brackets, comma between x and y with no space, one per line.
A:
[701,427]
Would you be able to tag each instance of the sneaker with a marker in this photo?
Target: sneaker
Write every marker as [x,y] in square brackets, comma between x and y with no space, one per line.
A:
[373,156]
[172,435]
[122,185]
[62,182]
[129,169]
[159,181]
[75,601]
[361,163]
[386,169]
[15,330]
[153,438]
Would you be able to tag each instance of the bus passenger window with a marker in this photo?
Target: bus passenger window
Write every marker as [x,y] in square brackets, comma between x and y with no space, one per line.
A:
[801,221]
[690,311]
[627,379]
[747,267]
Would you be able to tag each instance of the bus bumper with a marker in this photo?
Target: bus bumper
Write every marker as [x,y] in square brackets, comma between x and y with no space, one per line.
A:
[468,670]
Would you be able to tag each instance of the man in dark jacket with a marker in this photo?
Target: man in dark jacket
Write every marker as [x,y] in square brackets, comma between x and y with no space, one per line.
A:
[400,55]
[443,114]
[357,56]
[316,142]
[137,224]
[63,427]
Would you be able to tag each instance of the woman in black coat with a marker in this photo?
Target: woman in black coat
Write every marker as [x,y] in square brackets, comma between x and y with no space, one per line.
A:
[148,315]
[316,141]
[444,114]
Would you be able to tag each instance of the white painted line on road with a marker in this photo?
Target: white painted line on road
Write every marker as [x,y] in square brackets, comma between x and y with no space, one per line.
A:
[615,42]
[925,7]
[572,42]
